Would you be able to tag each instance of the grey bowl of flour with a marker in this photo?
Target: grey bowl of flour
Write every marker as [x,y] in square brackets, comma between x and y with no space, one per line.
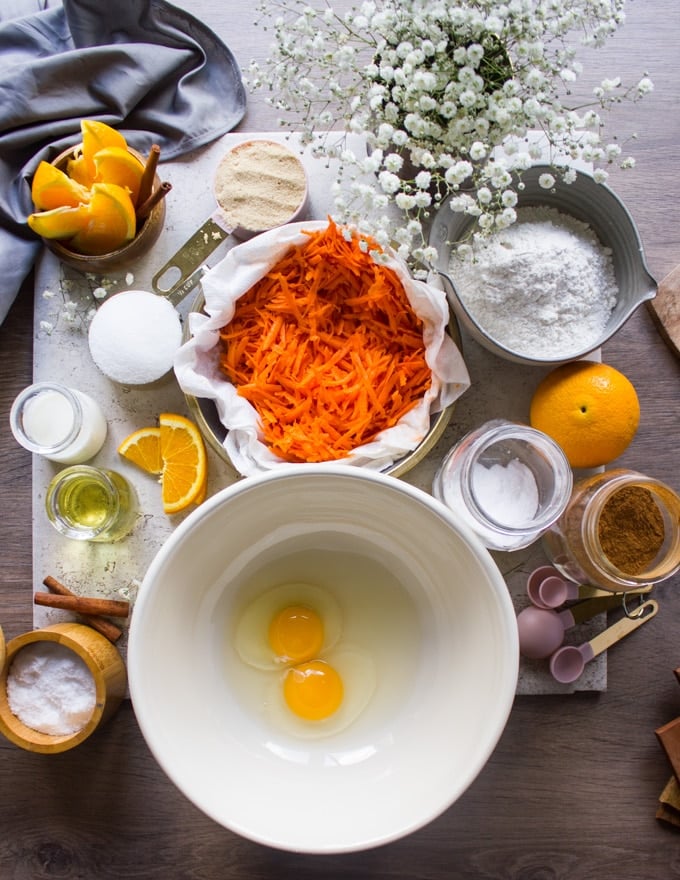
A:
[555,285]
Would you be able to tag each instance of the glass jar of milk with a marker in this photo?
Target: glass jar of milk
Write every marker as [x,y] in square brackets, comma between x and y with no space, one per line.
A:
[507,481]
[57,422]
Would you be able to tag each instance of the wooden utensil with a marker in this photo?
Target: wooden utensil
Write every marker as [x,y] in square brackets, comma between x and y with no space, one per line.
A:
[103,661]
[665,309]
[568,662]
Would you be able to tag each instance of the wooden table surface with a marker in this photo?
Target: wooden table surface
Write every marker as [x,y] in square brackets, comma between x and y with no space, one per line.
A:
[571,790]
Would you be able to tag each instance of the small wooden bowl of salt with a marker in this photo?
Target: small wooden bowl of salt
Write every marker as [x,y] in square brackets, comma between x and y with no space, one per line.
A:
[58,685]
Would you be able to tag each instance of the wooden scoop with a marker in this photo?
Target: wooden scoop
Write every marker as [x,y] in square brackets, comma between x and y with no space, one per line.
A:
[665,309]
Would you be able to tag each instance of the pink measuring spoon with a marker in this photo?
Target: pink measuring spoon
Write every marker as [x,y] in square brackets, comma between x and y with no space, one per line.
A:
[546,588]
[541,630]
[568,662]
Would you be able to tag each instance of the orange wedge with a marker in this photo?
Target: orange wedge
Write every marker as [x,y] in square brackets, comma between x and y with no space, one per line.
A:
[59,223]
[143,448]
[119,166]
[97,136]
[77,171]
[51,188]
[184,462]
[111,222]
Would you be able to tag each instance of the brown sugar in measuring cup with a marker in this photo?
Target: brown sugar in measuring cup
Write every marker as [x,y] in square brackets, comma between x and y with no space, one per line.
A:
[620,530]
[258,185]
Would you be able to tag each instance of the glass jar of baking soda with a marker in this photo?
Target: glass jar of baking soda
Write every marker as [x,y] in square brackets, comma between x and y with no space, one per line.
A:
[508,481]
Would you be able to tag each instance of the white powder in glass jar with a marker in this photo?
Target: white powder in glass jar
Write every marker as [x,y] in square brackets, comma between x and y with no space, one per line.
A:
[544,287]
[50,689]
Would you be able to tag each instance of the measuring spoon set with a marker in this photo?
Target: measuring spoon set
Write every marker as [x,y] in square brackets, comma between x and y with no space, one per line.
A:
[541,626]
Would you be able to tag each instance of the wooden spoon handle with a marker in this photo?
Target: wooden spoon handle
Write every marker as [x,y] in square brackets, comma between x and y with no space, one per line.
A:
[623,627]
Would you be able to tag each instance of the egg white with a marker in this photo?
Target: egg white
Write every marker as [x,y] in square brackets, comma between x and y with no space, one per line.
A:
[357,671]
[251,637]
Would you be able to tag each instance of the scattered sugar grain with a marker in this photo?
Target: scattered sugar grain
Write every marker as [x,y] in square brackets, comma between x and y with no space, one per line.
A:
[134,336]
[50,689]
[544,287]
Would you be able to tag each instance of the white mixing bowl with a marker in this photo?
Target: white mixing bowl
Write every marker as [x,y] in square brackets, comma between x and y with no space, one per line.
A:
[415,587]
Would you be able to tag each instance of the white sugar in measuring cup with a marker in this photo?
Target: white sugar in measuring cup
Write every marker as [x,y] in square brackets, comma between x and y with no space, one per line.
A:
[541,630]
[547,589]
[184,270]
[567,663]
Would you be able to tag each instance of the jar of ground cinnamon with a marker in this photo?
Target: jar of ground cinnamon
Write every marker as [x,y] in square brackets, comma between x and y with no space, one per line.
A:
[620,530]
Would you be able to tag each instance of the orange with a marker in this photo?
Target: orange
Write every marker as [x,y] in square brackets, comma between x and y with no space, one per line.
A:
[590,409]
[97,136]
[51,188]
[111,222]
[78,171]
[143,448]
[59,223]
[119,166]
[185,464]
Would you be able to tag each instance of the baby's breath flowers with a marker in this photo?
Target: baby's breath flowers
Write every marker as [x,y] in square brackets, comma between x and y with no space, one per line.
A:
[434,87]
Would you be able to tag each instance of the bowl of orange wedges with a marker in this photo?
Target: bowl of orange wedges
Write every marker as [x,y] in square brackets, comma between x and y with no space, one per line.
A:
[95,203]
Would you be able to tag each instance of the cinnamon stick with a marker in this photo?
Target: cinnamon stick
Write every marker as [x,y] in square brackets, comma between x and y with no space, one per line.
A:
[146,183]
[105,627]
[84,604]
[147,206]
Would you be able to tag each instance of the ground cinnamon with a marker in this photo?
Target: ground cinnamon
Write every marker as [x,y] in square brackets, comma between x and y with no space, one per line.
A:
[631,529]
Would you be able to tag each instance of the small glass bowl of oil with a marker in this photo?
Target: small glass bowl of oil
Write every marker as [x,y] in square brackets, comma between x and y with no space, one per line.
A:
[91,504]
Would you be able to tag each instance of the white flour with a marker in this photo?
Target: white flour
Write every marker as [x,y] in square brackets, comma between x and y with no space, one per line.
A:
[544,287]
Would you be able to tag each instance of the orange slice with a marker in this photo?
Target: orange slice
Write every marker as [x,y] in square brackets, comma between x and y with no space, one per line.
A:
[119,166]
[77,171]
[51,188]
[143,448]
[184,462]
[111,222]
[59,223]
[96,136]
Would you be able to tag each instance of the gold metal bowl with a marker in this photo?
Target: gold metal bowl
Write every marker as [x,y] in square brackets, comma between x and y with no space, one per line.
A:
[214,432]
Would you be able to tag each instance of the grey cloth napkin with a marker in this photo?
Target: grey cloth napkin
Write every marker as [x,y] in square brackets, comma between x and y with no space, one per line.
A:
[143,66]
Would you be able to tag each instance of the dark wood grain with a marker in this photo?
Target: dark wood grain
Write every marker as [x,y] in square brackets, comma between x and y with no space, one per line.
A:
[571,790]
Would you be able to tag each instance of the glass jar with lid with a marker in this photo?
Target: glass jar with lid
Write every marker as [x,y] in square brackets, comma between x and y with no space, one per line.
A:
[508,481]
[620,530]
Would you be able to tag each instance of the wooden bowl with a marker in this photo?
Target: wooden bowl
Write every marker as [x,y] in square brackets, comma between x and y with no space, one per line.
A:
[141,244]
[101,658]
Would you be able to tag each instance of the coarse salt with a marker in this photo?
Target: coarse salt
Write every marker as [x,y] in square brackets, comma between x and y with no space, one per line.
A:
[50,689]
[544,287]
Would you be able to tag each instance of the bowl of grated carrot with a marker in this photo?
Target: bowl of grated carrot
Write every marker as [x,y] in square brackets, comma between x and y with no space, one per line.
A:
[309,344]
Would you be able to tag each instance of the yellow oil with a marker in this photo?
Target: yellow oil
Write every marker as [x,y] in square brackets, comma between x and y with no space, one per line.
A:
[89,504]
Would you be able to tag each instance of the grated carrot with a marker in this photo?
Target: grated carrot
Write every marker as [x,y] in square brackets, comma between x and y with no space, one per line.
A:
[327,349]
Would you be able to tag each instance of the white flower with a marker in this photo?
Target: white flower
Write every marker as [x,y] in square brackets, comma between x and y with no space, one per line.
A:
[389,182]
[393,162]
[547,181]
[509,198]
[477,151]
[423,179]
[484,195]
[645,86]
[434,81]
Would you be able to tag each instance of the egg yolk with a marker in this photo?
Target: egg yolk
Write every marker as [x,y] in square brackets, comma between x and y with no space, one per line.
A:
[296,634]
[313,690]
